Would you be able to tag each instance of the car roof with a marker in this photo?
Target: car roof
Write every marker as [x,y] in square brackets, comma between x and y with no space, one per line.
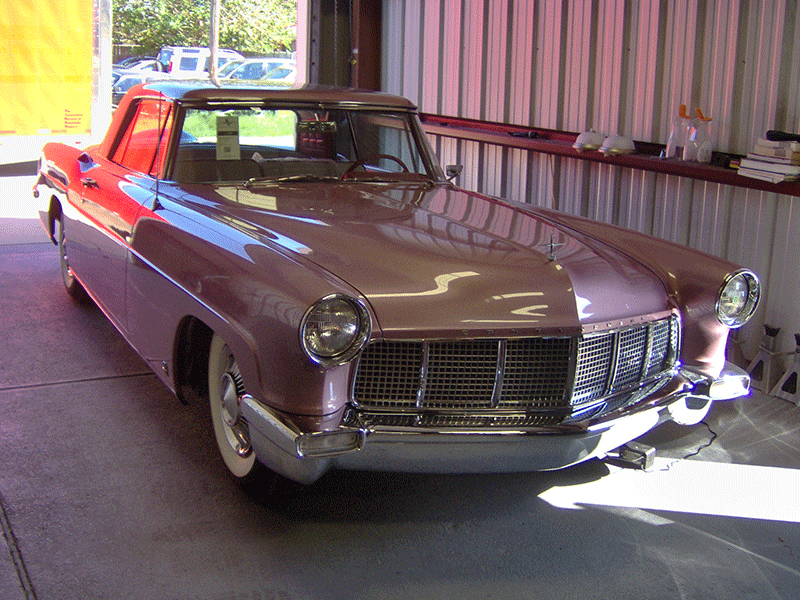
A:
[200,91]
[261,59]
[235,91]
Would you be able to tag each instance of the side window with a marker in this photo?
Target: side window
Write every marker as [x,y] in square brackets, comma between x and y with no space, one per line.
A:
[189,63]
[150,128]
[379,133]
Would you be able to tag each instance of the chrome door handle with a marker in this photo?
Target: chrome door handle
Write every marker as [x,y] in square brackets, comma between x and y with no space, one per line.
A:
[89,182]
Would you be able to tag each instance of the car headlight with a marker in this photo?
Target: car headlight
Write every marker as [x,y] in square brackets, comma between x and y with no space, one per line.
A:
[335,329]
[738,298]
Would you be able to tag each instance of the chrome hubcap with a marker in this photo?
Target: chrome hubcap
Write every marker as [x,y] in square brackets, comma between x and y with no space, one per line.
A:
[230,401]
[235,427]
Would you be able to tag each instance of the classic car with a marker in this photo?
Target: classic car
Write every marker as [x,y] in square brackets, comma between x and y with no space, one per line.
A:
[298,259]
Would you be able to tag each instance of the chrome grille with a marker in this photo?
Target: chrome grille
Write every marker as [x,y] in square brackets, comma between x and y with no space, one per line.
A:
[663,334]
[535,368]
[594,362]
[630,357]
[460,374]
[448,420]
[464,381]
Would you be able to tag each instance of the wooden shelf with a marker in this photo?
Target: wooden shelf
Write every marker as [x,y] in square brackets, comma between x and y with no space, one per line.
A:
[559,143]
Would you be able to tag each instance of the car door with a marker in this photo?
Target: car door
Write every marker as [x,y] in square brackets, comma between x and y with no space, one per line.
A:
[113,190]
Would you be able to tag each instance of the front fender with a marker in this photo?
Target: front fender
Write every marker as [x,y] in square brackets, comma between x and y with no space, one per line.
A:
[252,296]
[691,279]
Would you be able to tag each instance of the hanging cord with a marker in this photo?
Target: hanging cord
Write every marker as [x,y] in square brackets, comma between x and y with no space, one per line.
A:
[707,444]
[697,451]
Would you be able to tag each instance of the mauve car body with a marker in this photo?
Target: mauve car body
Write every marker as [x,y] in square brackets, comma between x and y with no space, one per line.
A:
[297,257]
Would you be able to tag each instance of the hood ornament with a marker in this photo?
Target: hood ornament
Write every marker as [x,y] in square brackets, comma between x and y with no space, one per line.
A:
[551,247]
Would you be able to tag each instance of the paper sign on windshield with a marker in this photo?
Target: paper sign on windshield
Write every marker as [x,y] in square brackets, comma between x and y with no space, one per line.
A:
[228,138]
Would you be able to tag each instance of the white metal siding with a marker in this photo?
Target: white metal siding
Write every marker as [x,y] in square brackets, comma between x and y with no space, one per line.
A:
[619,66]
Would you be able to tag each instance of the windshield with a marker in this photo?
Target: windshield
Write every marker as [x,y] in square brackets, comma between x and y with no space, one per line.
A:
[255,144]
[229,67]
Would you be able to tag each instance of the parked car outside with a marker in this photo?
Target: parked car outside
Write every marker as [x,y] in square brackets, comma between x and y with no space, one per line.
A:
[281,76]
[297,259]
[124,81]
[183,62]
[136,69]
[258,68]
[143,65]
[131,60]
[229,67]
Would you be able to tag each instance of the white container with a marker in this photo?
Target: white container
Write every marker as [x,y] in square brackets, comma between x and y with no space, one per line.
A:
[700,145]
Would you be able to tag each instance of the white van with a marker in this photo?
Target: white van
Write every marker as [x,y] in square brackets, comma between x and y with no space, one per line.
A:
[180,61]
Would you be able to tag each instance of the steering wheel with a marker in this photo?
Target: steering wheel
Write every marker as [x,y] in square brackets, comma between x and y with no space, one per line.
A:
[370,159]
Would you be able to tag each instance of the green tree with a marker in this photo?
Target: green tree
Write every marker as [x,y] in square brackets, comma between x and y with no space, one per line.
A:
[258,26]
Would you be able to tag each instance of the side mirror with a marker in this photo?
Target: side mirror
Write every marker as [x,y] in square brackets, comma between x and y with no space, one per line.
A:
[453,171]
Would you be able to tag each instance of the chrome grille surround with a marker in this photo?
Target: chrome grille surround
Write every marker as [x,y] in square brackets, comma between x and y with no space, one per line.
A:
[517,382]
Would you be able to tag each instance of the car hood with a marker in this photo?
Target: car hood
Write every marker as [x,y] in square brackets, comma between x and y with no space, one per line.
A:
[438,259]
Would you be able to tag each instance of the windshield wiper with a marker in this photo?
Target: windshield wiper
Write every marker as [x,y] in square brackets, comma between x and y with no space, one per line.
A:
[306,178]
[383,179]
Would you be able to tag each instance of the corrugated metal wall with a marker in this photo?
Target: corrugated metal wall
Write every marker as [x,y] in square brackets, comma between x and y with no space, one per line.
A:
[618,66]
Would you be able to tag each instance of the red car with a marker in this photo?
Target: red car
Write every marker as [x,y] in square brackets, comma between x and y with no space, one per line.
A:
[298,258]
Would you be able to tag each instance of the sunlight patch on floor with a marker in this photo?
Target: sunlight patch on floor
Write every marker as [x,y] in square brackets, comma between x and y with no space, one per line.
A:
[691,486]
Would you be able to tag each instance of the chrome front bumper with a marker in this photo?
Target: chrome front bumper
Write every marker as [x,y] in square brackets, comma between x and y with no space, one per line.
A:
[305,457]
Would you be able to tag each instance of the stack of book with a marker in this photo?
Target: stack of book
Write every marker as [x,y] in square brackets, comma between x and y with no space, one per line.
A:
[773,161]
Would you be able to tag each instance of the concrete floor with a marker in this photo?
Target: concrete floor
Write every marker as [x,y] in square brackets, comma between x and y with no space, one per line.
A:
[109,488]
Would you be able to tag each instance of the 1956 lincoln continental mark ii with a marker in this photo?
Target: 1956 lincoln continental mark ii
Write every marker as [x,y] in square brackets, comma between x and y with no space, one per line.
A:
[298,258]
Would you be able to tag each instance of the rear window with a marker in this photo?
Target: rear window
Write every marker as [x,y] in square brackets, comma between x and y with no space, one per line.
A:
[256,127]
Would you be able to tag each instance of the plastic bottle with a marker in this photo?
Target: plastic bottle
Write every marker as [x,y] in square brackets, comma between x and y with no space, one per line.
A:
[679,134]
[699,146]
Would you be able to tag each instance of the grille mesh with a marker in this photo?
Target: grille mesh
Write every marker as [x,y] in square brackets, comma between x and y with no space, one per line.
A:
[461,374]
[535,368]
[389,374]
[456,380]
[630,359]
[594,361]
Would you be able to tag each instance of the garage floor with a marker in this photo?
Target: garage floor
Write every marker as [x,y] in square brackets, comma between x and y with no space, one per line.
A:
[109,488]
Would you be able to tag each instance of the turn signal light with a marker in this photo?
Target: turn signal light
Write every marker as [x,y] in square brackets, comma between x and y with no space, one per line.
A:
[330,443]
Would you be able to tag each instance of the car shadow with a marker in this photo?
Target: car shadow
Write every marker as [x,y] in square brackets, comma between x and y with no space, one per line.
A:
[383,497]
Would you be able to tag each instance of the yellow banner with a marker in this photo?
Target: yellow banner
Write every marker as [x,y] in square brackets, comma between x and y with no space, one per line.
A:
[46,67]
